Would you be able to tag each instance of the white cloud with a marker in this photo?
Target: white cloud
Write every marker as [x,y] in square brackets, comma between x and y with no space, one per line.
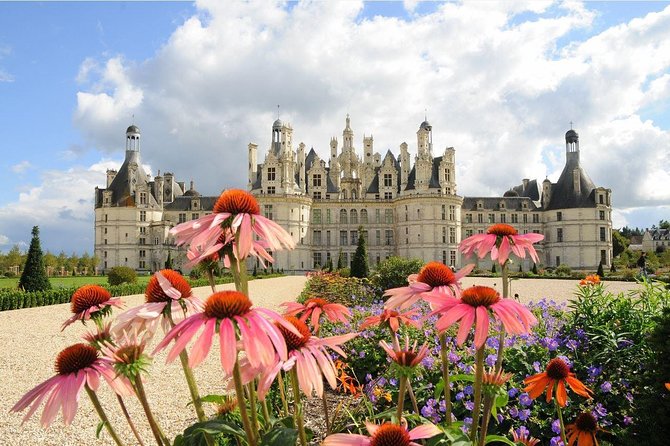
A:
[502,93]
[21,167]
[4,240]
[5,76]
[61,205]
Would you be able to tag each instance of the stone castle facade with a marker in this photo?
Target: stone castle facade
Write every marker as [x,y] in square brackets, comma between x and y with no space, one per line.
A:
[401,206]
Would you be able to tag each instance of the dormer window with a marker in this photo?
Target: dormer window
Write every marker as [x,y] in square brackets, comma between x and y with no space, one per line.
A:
[272,174]
[316,180]
[143,198]
[388,180]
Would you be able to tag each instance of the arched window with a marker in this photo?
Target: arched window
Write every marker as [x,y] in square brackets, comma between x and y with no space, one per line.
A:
[353,194]
[343,216]
[353,216]
[364,215]
[344,194]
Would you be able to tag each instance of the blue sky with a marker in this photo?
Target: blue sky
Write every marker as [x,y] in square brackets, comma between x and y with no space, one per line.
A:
[69,73]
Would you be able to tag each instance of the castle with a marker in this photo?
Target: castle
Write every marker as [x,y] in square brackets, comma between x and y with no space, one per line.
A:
[405,208]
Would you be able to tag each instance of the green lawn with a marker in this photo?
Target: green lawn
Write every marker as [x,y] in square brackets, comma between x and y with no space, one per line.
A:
[60,282]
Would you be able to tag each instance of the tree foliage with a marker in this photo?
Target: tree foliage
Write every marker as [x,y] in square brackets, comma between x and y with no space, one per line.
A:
[359,265]
[121,274]
[393,272]
[34,276]
[619,243]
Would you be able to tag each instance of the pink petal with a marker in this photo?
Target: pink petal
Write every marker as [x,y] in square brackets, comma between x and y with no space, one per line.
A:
[185,337]
[452,315]
[482,326]
[227,343]
[202,346]
[424,431]
[54,402]
[346,440]
[466,324]
[167,287]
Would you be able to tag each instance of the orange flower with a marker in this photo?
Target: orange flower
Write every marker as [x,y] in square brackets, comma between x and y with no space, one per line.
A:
[556,375]
[583,431]
[667,386]
[593,279]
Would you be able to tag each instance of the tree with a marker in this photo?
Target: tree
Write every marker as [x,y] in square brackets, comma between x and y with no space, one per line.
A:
[49,260]
[664,224]
[359,265]
[535,268]
[600,271]
[34,276]
[619,243]
[168,262]
[393,272]
[340,260]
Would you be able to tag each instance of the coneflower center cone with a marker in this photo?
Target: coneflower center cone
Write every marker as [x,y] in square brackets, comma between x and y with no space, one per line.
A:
[436,274]
[129,354]
[293,342]
[227,304]
[88,296]
[501,229]
[405,357]
[236,201]
[74,358]
[317,301]
[390,435]
[586,422]
[478,296]
[155,293]
[557,369]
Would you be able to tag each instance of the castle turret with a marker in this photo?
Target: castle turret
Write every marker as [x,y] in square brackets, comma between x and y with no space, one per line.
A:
[253,166]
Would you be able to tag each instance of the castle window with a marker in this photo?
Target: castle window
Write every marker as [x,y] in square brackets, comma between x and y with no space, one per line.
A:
[525,218]
[182,217]
[480,218]
[468,233]
[143,215]
[378,216]
[558,260]
[452,212]
[143,198]
[536,218]
[316,180]
[444,235]
[389,236]
[328,216]
[195,216]
[378,238]
[479,205]
[143,264]
[143,229]
[316,216]
[105,230]
[503,218]
[388,180]
[268,211]
[317,195]
[468,218]
[105,218]
[353,216]
[271,190]
[343,238]
[343,217]
[559,234]
[452,235]
[492,218]
[444,212]
[364,216]
[388,216]
[105,242]
[603,257]
[143,241]
[602,215]
[316,238]
[271,174]
[156,241]
[601,199]
[559,216]
[104,254]
[388,195]
[143,253]
[328,240]
[515,218]
[447,175]
[354,237]
[603,237]
[317,260]
[452,258]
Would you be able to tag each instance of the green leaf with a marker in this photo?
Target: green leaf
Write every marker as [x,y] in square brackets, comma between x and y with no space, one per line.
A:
[216,399]
[195,434]
[99,429]
[463,377]
[280,436]
[498,438]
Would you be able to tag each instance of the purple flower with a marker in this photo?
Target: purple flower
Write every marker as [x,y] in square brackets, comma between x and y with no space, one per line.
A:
[513,412]
[513,392]
[556,441]
[536,366]
[606,387]
[525,400]
[523,430]
[629,397]
[468,390]
[524,414]
[460,396]
[491,360]
[393,382]
[599,411]
[427,411]
[556,426]
[469,405]
[361,354]
[594,371]
[627,420]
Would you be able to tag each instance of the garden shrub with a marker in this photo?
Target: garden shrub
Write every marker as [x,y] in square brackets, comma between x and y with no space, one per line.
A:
[349,291]
[393,272]
[563,270]
[121,274]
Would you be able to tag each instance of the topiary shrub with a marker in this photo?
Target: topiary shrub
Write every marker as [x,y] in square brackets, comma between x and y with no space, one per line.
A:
[563,270]
[121,274]
[34,276]
[600,271]
[393,272]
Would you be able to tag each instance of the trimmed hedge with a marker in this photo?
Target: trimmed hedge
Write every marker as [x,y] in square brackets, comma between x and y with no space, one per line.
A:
[11,299]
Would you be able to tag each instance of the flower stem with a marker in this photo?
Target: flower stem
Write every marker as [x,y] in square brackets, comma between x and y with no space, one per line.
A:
[266,413]
[297,407]
[324,399]
[401,397]
[155,428]
[102,415]
[445,377]
[239,269]
[130,422]
[282,392]
[479,371]
[254,408]
[241,403]
[412,397]
[501,338]
[486,416]
[560,420]
[210,278]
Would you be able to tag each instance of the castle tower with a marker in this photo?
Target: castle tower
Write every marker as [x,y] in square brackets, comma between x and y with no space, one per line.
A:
[253,166]
[424,158]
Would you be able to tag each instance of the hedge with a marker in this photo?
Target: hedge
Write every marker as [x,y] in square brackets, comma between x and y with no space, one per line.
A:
[16,299]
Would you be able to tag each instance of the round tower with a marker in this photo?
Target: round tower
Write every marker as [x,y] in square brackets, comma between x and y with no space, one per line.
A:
[133,139]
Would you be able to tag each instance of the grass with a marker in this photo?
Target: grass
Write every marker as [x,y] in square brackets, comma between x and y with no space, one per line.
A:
[64,282]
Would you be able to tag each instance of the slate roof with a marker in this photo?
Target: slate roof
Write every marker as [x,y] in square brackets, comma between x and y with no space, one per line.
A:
[434,182]
[563,193]
[120,186]
[183,203]
[531,190]
[493,203]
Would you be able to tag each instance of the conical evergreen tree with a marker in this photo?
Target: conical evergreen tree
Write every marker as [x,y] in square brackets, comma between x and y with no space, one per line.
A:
[600,271]
[34,276]
[340,260]
[168,262]
[359,265]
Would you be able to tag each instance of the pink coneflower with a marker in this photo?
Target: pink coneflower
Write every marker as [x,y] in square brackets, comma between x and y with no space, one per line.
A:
[434,276]
[316,306]
[392,319]
[234,210]
[501,240]
[387,434]
[408,357]
[76,366]
[102,336]
[472,308]
[91,302]
[168,298]
[230,312]
[308,354]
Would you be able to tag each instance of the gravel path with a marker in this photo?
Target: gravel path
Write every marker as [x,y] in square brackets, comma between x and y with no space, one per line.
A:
[32,338]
